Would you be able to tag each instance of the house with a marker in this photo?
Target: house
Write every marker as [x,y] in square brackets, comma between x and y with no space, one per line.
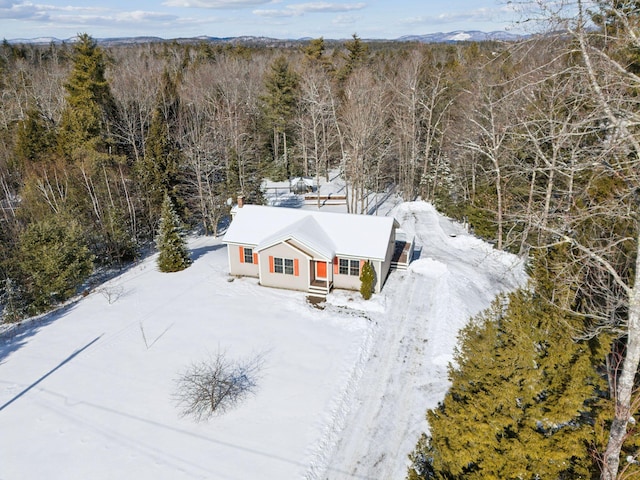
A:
[307,250]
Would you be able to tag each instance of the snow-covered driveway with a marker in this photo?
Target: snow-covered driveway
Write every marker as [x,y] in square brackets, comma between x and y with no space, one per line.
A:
[405,370]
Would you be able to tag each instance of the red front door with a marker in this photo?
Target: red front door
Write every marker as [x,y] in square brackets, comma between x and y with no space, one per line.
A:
[321,269]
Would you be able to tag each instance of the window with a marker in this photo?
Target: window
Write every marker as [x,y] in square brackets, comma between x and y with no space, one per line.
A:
[344,267]
[288,266]
[354,268]
[248,255]
[349,267]
[283,265]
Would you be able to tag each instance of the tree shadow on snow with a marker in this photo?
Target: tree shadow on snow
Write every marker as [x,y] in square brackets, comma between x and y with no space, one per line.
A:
[18,334]
[50,372]
[196,253]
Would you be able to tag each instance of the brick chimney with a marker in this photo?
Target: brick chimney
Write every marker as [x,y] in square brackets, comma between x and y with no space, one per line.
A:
[240,201]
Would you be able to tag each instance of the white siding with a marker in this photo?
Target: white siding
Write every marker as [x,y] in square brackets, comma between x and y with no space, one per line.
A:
[236,267]
[281,280]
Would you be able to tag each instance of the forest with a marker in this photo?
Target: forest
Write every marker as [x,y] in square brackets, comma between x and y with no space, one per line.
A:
[535,143]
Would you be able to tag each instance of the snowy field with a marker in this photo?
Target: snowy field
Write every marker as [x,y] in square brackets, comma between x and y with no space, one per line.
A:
[86,393]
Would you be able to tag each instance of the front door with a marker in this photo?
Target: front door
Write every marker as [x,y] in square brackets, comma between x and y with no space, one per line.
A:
[321,269]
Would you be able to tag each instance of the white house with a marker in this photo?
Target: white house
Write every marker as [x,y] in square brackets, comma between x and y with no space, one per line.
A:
[307,250]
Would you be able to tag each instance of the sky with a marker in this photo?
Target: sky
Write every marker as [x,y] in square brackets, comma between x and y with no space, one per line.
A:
[286,19]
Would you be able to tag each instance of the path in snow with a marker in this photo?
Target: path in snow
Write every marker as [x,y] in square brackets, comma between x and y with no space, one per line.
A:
[413,340]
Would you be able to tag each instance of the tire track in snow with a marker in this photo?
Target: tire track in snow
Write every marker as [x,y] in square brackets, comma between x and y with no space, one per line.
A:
[340,412]
[379,400]
[407,369]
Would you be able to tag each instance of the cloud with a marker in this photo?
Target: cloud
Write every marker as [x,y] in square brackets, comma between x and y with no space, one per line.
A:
[327,7]
[221,4]
[467,16]
[274,13]
[344,20]
[21,11]
[69,16]
[134,18]
[300,9]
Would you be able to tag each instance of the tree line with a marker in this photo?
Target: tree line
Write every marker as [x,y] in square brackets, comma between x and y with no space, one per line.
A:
[533,143]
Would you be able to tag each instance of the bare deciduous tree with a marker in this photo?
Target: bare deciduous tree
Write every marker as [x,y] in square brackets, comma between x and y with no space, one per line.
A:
[316,130]
[216,385]
[601,230]
[363,126]
[421,104]
[135,84]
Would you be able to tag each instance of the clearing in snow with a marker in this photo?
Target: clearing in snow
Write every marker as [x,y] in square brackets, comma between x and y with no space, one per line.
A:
[87,392]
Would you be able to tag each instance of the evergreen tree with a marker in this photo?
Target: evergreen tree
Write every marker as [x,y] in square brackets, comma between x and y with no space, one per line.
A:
[35,139]
[12,304]
[357,55]
[367,280]
[53,260]
[90,106]
[158,171]
[279,105]
[315,54]
[174,255]
[92,170]
[521,403]
[315,50]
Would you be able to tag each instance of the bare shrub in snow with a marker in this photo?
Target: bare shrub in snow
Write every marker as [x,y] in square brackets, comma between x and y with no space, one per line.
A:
[112,293]
[214,386]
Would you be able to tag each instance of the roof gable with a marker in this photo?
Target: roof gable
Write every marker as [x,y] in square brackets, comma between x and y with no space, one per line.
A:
[327,233]
[308,232]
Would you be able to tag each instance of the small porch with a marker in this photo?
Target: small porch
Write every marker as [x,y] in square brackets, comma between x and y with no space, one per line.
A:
[403,251]
[320,283]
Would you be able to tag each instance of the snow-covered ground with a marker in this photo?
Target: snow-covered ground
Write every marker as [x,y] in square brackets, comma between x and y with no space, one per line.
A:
[87,392]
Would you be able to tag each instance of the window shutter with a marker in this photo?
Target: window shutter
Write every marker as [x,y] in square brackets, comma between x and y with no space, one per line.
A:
[361,265]
[255,258]
[241,250]
[335,266]
[296,267]
[270,264]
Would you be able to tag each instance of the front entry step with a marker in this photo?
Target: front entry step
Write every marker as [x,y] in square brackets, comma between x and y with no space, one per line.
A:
[316,290]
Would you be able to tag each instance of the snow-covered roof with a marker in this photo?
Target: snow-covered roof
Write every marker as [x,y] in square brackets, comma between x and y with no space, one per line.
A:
[327,233]
[308,232]
[308,181]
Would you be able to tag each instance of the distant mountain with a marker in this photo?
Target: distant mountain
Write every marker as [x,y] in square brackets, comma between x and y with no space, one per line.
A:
[461,36]
[39,40]
[104,41]
[450,37]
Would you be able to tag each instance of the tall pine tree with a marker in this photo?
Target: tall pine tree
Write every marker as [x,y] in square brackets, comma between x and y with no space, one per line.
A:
[278,108]
[88,148]
[174,255]
[356,56]
[90,106]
